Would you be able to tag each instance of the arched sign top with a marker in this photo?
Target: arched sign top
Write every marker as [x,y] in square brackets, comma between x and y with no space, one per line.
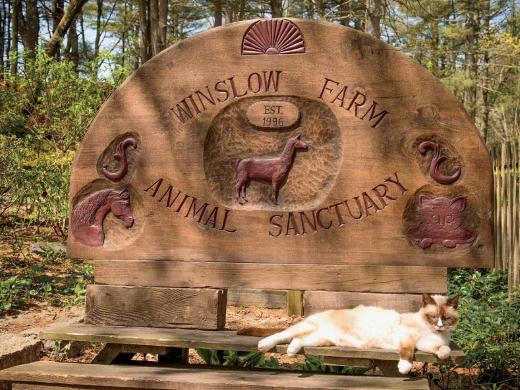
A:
[344,152]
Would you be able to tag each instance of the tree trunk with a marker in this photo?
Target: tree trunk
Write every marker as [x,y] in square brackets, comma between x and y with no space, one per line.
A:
[84,46]
[8,36]
[144,33]
[276,8]
[217,13]
[123,35]
[154,25]
[72,45]
[163,24]
[73,10]
[57,13]
[15,30]
[242,10]
[99,15]
[32,28]
[486,96]
[322,9]
[472,24]
[3,18]
[435,46]
[374,13]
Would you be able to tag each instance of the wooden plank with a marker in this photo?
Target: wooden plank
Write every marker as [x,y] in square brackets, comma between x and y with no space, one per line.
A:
[155,307]
[359,278]
[351,362]
[220,340]
[295,303]
[138,377]
[271,299]
[516,168]
[316,301]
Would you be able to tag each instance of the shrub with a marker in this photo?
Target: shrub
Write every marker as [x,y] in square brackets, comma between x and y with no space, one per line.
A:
[489,328]
[45,113]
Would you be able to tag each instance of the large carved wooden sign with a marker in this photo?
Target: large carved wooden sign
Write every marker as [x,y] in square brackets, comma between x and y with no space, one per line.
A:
[283,142]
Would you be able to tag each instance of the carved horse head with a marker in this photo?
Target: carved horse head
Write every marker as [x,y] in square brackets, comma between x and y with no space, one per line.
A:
[120,206]
[90,212]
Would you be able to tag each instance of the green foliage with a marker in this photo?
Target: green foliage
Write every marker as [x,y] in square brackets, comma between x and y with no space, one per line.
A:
[257,360]
[317,364]
[489,328]
[50,276]
[45,112]
[237,359]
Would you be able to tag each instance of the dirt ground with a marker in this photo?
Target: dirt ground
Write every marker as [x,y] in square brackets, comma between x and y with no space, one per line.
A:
[38,316]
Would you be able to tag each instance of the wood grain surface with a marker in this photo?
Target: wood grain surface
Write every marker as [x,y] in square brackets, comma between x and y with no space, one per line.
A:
[132,377]
[316,301]
[359,278]
[158,307]
[369,173]
[271,299]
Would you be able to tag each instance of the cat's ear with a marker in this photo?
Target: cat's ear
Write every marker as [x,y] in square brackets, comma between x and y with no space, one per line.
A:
[458,204]
[423,199]
[427,300]
[453,301]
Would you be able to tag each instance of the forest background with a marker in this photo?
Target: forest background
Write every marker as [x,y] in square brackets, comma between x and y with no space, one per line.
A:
[59,60]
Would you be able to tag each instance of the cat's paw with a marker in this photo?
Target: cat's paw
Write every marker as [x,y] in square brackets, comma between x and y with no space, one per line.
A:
[404,366]
[265,345]
[294,347]
[443,352]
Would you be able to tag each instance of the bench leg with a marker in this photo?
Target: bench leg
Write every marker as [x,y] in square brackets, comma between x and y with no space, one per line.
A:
[175,355]
[387,367]
[113,354]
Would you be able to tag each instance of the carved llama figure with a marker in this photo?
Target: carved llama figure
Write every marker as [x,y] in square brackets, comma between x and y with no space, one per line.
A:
[273,170]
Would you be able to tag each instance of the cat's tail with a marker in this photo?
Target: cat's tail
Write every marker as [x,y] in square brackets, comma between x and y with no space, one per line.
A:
[259,332]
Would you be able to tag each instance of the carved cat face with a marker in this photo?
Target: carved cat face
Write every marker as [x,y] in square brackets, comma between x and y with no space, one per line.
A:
[444,213]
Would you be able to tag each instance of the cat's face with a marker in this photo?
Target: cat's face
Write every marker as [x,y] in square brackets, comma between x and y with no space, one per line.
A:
[443,213]
[440,312]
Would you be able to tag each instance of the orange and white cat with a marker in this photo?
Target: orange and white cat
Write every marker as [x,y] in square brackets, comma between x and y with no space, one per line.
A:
[427,330]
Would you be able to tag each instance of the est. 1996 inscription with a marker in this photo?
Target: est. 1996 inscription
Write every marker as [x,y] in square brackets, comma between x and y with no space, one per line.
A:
[286,141]
[272,114]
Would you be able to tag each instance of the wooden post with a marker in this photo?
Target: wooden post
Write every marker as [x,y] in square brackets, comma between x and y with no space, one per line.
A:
[295,302]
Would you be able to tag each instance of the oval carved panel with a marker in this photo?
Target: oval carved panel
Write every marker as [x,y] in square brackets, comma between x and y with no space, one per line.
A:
[231,139]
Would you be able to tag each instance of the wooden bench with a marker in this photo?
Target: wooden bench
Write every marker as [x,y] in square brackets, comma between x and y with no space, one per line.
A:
[219,340]
[54,376]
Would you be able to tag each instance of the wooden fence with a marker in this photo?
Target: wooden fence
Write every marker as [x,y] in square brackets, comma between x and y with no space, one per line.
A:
[506,169]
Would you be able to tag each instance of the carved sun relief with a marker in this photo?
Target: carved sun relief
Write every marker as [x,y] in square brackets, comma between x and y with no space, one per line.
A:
[273,36]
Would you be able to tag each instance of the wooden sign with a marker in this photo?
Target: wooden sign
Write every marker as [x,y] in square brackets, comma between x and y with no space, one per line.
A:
[283,142]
